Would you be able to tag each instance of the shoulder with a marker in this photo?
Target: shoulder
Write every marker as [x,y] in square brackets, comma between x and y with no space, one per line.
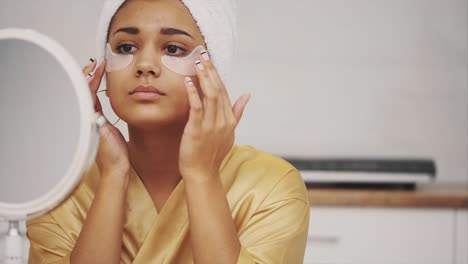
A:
[269,175]
[250,156]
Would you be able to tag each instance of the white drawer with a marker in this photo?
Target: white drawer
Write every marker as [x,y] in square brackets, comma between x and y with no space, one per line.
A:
[377,235]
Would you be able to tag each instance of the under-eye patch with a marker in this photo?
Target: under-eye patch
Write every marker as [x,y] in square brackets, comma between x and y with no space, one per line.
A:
[183,65]
[115,61]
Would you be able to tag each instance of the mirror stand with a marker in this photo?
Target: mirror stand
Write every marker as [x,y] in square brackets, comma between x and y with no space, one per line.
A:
[13,244]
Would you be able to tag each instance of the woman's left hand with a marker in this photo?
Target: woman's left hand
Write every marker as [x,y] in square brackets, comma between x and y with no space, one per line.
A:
[209,133]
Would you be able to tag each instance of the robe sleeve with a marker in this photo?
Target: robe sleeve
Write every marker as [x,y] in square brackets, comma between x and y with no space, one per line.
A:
[48,241]
[278,230]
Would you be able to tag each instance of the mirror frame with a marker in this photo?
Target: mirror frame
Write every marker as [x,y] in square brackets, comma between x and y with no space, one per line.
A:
[88,139]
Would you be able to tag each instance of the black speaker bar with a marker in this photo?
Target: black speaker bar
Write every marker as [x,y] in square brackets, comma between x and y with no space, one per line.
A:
[417,166]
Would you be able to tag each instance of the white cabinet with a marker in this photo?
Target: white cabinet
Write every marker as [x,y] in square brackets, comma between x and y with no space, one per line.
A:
[358,235]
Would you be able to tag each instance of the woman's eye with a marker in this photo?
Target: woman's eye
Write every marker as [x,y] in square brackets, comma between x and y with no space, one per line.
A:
[125,48]
[173,50]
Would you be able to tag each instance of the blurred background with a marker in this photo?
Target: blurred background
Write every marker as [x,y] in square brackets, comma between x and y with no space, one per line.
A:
[361,79]
[329,78]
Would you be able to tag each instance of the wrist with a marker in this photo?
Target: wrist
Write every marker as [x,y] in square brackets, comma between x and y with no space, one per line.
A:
[115,180]
[201,179]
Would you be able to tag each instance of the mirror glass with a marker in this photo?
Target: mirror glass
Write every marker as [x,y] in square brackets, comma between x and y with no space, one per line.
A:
[39,117]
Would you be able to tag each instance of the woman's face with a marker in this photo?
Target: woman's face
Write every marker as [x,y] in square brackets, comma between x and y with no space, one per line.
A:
[149,30]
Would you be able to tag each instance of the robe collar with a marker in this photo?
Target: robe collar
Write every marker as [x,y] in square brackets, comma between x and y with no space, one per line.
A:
[148,233]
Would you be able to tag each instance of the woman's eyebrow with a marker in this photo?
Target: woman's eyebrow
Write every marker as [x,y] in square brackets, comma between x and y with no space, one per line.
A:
[164,31]
[174,31]
[129,30]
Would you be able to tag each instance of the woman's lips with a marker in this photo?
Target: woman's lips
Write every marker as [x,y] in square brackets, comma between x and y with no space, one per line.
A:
[146,95]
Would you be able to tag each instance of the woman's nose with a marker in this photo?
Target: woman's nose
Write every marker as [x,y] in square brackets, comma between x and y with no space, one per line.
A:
[148,65]
[146,72]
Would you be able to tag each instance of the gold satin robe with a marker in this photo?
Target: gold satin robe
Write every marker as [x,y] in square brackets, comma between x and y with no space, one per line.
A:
[267,197]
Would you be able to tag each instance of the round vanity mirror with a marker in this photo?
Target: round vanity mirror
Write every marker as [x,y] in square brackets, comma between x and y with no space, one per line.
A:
[49,134]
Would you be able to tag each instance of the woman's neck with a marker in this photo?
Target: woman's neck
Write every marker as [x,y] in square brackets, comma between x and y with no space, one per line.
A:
[155,156]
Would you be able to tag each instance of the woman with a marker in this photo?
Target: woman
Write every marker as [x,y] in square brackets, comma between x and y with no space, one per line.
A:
[179,191]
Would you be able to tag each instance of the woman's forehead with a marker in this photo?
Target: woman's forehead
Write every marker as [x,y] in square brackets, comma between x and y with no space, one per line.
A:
[152,15]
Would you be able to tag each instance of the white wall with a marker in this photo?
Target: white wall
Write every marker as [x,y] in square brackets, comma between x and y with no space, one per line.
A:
[330,78]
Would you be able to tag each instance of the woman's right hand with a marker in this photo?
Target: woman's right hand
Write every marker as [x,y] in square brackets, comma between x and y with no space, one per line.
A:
[112,155]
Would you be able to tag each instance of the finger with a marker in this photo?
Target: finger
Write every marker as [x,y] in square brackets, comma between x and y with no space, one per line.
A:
[97,104]
[224,102]
[196,107]
[213,73]
[95,81]
[221,116]
[239,106]
[90,67]
[227,104]
[200,74]
[210,95]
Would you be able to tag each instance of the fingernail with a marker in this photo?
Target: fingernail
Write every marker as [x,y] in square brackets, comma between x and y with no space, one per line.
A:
[199,65]
[188,80]
[91,62]
[89,76]
[204,55]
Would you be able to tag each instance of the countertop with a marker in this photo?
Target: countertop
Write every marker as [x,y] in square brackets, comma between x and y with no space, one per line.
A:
[424,196]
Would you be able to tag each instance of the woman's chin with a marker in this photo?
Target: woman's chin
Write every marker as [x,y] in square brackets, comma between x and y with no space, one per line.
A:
[155,121]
